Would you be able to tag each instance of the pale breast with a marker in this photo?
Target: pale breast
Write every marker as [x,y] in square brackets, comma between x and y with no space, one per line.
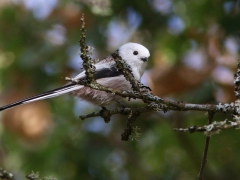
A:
[103,98]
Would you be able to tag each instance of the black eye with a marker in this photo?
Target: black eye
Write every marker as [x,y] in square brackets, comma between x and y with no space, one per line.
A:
[135,52]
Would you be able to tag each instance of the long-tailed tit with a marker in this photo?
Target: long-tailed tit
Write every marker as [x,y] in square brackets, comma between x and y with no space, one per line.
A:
[106,74]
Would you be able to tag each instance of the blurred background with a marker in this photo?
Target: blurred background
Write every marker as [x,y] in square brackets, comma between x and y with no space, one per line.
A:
[194,49]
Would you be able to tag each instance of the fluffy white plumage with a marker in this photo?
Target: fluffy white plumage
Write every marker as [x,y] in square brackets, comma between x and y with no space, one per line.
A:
[106,74]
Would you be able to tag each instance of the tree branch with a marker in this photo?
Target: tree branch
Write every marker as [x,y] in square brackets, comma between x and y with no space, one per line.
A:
[204,158]
[213,128]
[85,55]
[139,91]
[104,113]
[6,175]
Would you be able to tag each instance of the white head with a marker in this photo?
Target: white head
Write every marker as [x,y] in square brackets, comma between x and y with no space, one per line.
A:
[136,56]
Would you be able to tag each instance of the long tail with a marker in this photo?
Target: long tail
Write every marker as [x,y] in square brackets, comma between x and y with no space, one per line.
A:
[46,95]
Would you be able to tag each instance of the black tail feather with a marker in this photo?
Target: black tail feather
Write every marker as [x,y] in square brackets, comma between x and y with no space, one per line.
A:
[24,101]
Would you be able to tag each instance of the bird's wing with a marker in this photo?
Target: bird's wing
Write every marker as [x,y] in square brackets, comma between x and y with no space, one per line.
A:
[101,67]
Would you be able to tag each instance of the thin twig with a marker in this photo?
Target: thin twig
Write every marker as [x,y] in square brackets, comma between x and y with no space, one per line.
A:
[85,55]
[128,131]
[127,72]
[204,158]
[213,128]
[108,113]
[237,91]
[6,175]
[237,81]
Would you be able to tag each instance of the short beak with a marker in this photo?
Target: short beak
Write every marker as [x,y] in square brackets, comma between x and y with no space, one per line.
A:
[144,59]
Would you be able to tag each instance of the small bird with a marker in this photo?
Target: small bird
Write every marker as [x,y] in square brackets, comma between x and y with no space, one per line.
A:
[106,74]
